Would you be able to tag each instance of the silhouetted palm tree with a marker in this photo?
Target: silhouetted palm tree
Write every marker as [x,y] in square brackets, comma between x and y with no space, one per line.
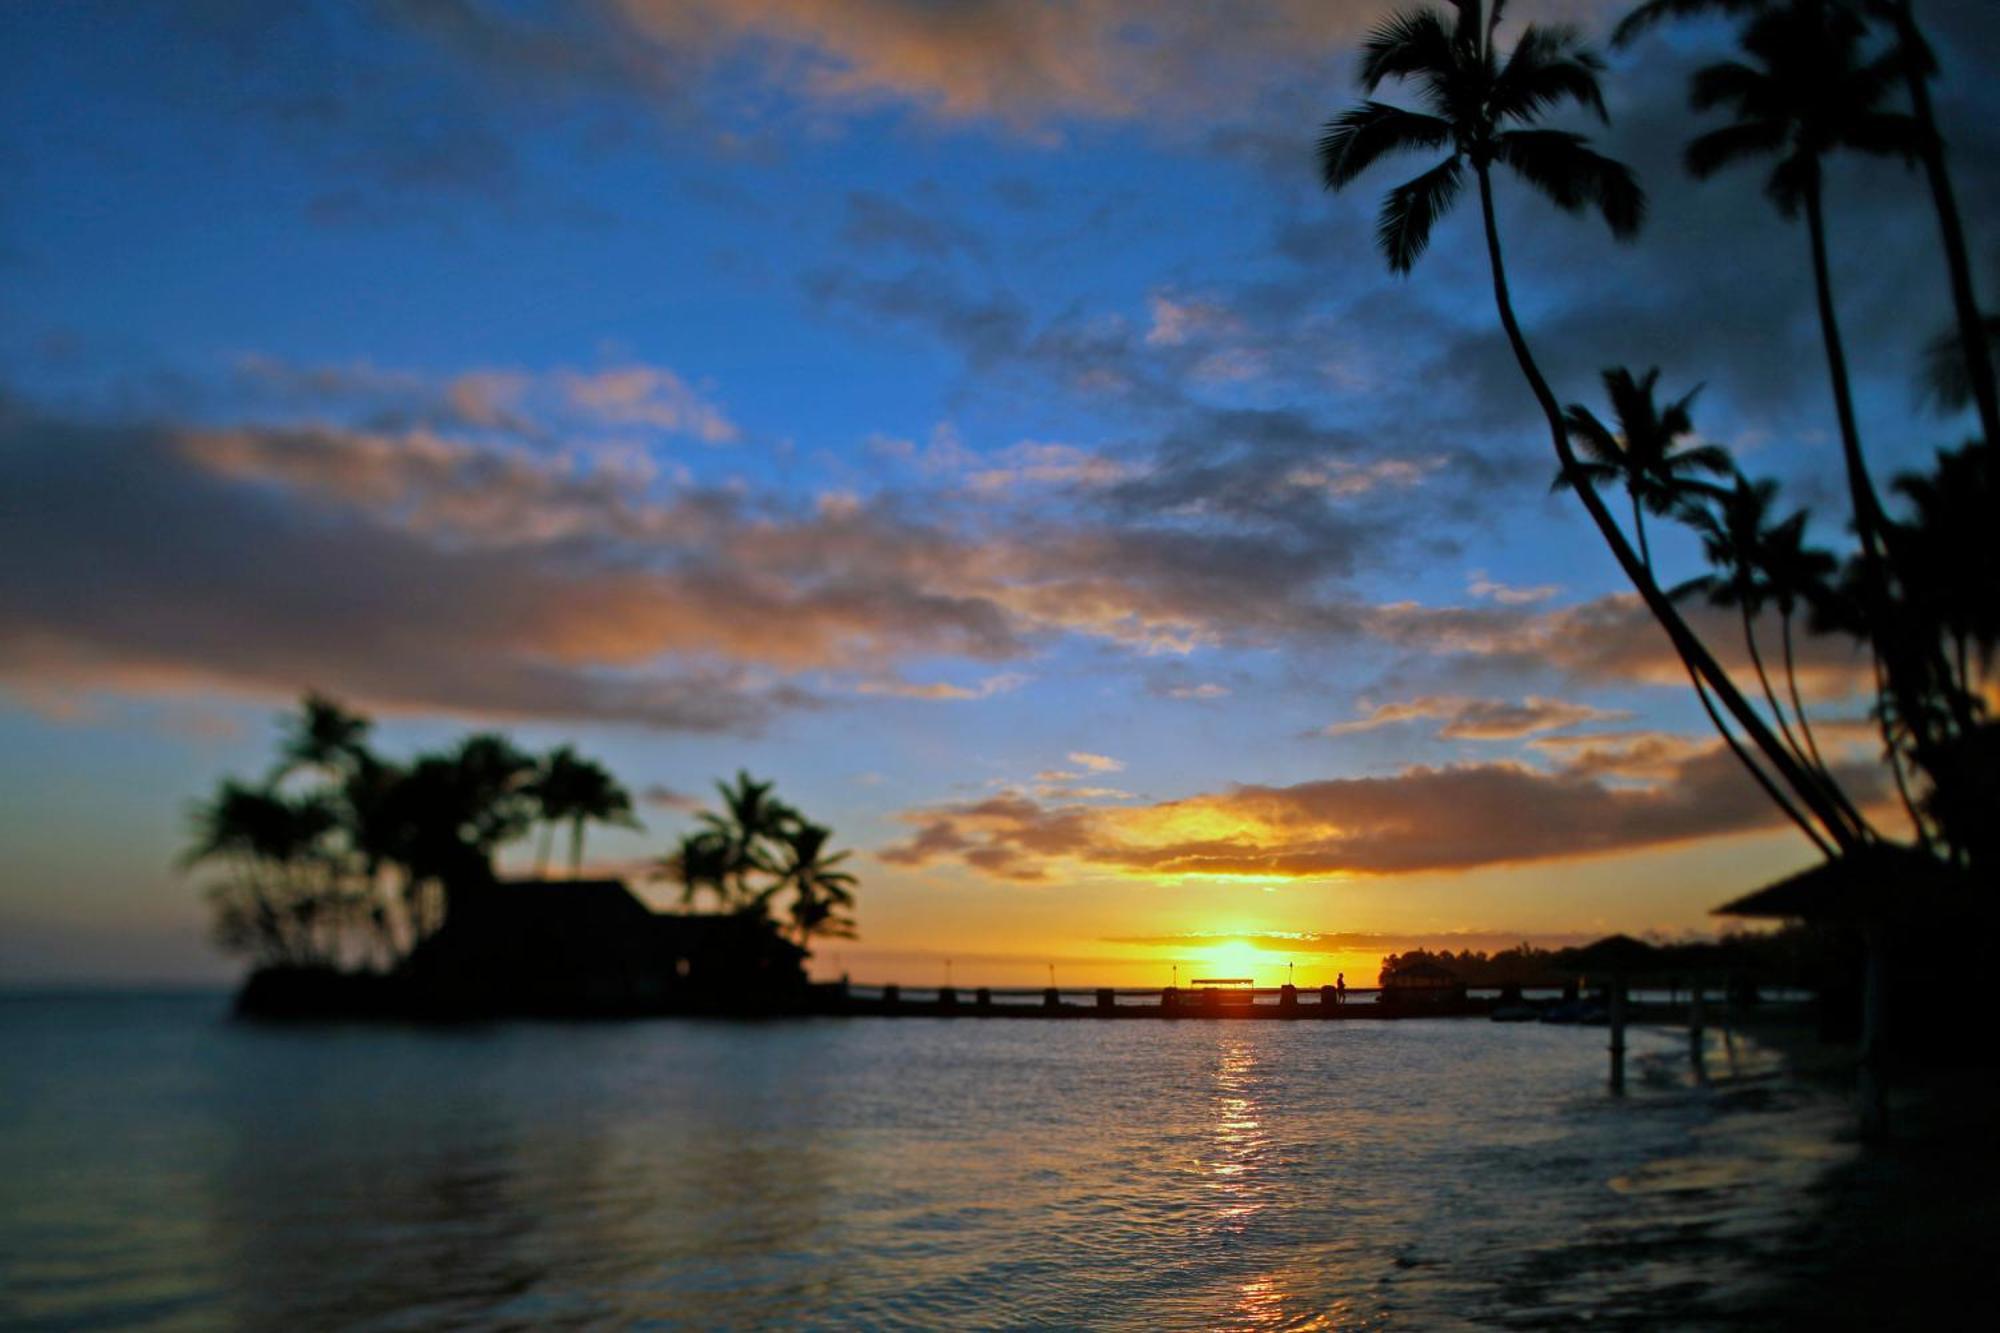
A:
[750,822]
[1945,562]
[1472,98]
[284,902]
[700,864]
[1795,575]
[1946,377]
[569,788]
[1916,65]
[1806,92]
[323,735]
[821,893]
[1644,454]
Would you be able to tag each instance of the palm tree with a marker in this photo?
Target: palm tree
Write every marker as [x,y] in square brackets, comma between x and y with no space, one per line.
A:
[1805,93]
[700,864]
[568,787]
[821,893]
[1644,454]
[1479,108]
[324,736]
[1947,374]
[1795,574]
[750,821]
[284,902]
[1916,65]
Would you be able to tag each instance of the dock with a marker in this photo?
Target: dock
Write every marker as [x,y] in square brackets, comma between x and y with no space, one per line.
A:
[1270,1003]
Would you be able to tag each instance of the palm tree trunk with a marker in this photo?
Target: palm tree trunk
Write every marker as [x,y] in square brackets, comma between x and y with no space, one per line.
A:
[1971,327]
[1869,519]
[1811,766]
[1798,705]
[1744,757]
[576,848]
[1693,653]
[1764,680]
[1870,522]
[542,851]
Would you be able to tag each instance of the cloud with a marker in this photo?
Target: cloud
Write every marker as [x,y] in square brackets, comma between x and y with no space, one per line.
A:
[1206,689]
[986,688]
[1613,639]
[1508,594]
[1180,321]
[1476,719]
[663,797]
[1422,819]
[1096,763]
[647,396]
[877,221]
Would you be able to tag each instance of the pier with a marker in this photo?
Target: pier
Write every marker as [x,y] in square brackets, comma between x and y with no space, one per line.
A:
[1236,1000]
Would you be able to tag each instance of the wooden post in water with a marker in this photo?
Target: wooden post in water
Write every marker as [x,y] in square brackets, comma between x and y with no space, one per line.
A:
[1615,1002]
[1697,1032]
[1288,1000]
[1871,1084]
[1106,1000]
[1051,998]
[892,995]
[982,998]
[1329,999]
[1170,1001]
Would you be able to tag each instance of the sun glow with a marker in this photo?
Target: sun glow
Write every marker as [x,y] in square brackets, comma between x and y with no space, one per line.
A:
[1235,958]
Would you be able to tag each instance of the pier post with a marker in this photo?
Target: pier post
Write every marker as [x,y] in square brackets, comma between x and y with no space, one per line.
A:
[982,998]
[1170,1001]
[1288,1000]
[1106,1000]
[1697,1032]
[1051,998]
[1615,1002]
[1871,1084]
[1329,1000]
[892,995]
[947,997]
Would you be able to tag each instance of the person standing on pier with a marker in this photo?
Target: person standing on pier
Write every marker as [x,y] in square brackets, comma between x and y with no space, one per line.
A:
[1339,988]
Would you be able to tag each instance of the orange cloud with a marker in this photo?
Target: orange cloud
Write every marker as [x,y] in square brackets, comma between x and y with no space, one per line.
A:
[1477,719]
[1422,819]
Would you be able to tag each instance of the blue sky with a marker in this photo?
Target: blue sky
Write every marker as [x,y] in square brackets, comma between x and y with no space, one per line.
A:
[898,400]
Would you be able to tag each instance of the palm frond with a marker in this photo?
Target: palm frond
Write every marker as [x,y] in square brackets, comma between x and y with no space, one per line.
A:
[1548,66]
[1728,83]
[1413,42]
[1360,136]
[1725,147]
[1654,12]
[1411,209]
[1573,177]
[1597,439]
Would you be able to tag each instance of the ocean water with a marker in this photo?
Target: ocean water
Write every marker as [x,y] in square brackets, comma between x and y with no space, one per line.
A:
[161,1166]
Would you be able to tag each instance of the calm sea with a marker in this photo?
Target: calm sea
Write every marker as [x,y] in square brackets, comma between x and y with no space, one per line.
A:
[161,1166]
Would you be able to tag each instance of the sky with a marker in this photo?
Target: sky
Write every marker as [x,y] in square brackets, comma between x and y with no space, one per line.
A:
[974,417]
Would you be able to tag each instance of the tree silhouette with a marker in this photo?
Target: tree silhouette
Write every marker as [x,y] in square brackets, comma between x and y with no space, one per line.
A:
[821,892]
[1807,92]
[700,864]
[1474,101]
[322,736]
[1644,454]
[1740,541]
[751,822]
[568,788]
[283,901]
[1916,65]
